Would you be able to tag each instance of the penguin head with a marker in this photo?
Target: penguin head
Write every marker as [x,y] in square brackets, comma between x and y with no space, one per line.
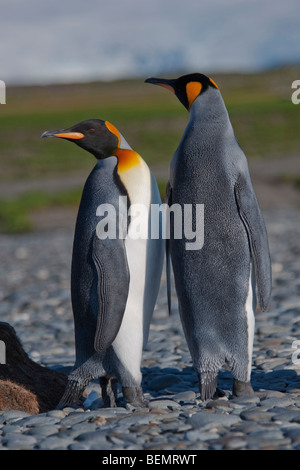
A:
[98,137]
[187,87]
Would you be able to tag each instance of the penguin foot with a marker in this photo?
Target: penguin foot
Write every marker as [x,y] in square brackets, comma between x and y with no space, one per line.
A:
[109,388]
[134,396]
[71,395]
[207,385]
[242,389]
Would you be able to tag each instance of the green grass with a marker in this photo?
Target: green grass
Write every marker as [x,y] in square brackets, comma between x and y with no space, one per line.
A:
[152,120]
[15,214]
[265,121]
[269,129]
[291,179]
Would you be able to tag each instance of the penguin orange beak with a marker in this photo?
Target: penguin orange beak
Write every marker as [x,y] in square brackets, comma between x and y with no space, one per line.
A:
[63,135]
[166,83]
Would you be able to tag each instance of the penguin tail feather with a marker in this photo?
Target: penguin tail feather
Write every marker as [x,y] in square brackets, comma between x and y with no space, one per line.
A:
[207,385]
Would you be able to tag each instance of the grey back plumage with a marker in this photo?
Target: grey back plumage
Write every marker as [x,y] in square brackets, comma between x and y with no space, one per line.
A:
[210,168]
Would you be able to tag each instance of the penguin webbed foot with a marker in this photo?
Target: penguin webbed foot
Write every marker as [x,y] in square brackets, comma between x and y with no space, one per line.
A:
[134,396]
[72,394]
[242,389]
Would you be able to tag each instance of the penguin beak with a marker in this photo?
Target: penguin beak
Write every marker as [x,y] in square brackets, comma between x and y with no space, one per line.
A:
[64,134]
[166,83]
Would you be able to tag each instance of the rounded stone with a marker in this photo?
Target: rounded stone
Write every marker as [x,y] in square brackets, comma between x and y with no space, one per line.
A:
[207,420]
[54,443]
[163,404]
[19,441]
[164,381]
[42,430]
[256,415]
[186,396]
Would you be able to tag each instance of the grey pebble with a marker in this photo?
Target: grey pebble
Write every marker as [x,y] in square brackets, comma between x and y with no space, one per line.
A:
[42,430]
[269,403]
[199,435]
[186,396]
[164,404]
[37,420]
[78,446]
[255,414]
[266,433]
[160,383]
[11,428]
[136,418]
[293,434]
[56,414]
[16,441]
[96,440]
[11,416]
[208,420]
[74,418]
[248,400]
[54,443]
[77,429]
[282,414]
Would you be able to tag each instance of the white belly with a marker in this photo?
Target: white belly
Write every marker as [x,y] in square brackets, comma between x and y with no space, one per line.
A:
[250,313]
[145,260]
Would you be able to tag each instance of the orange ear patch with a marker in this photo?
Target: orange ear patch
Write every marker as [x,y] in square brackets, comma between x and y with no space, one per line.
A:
[114,131]
[193,90]
[214,83]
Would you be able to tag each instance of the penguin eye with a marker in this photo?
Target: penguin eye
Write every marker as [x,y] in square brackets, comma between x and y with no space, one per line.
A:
[92,131]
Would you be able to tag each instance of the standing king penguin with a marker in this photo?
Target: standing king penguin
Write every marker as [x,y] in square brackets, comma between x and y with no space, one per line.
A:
[115,277]
[217,285]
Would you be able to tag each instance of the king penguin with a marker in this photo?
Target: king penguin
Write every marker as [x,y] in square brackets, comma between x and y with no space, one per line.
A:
[116,272]
[218,285]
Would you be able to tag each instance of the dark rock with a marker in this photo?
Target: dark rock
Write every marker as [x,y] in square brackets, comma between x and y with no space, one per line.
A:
[26,385]
[163,381]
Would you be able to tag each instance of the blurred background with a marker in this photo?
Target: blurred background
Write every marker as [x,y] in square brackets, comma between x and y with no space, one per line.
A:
[65,61]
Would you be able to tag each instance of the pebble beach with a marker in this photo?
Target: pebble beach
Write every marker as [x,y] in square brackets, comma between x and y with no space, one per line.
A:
[35,300]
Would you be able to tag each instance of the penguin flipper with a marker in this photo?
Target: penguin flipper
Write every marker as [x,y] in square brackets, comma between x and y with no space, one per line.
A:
[168,259]
[110,261]
[258,239]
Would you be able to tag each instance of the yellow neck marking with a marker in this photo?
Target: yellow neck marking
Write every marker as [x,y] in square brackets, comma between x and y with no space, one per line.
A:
[127,159]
